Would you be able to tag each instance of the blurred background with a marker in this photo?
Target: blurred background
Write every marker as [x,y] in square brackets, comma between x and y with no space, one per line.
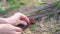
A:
[45,12]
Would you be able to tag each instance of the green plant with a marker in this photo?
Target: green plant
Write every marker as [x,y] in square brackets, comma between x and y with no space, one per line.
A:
[2,11]
[32,27]
[38,3]
[24,2]
[56,4]
[13,5]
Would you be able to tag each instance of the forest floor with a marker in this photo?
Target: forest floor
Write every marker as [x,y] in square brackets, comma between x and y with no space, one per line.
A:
[47,24]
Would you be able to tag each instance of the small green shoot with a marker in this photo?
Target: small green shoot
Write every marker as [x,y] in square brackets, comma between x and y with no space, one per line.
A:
[32,27]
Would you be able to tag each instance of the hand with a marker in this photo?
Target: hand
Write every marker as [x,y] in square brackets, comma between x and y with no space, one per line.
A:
[9,29]
[17,18]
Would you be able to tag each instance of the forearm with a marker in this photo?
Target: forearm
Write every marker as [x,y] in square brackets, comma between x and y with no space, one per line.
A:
[2,20]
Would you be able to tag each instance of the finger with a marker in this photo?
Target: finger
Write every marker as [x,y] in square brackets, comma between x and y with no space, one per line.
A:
[24,18]
[17,33]
[17,29]
[14,32]
[23,22]
[19,22]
